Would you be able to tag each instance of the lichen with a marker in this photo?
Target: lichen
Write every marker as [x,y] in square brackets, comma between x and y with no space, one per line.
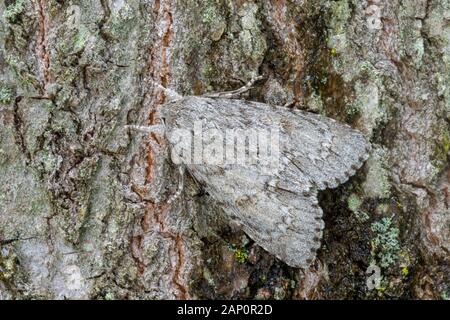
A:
[252,43]
[442,147]
[275,94]
[445,296]
[382,209]
[438,30]
[414,47]
[209,14]
[385,242]
[13,11]
[339,15]
[353,111]
[5,95]
[3,156]
[368,105]
[120,24]
[354,204]
[109,296]
[405,271]
[240,254]
[377,184]
[8,263]
[208,277]
[315,103]
[279,293]
[80,39]
[333,52]
[20,70]
[404,263]
[209,71]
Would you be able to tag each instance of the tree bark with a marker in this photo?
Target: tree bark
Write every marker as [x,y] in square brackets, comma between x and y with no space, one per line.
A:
[83,201]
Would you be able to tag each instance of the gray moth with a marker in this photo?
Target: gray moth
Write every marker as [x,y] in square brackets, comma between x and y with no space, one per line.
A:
[277,208]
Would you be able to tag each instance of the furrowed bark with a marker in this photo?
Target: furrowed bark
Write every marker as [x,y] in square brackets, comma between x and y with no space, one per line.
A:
[83,210]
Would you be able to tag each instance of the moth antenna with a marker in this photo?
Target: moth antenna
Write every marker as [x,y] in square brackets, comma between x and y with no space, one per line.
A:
[234,93]
[180,186]
[172,95]
[158,129]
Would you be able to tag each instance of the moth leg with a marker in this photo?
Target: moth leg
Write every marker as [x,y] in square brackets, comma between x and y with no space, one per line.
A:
[180,186]
[234,93]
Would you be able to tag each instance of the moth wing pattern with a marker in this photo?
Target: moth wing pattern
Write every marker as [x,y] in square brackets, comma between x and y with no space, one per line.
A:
[279,211]
[286,224]
[326,151]
[313,147]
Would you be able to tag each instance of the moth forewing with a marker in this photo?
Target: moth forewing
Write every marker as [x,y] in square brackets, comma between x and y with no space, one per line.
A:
[265,164]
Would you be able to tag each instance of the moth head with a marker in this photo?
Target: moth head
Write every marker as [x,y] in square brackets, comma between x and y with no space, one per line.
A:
[179,112]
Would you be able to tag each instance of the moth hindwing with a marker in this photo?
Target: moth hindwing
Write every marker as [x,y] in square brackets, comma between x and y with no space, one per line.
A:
[273,194]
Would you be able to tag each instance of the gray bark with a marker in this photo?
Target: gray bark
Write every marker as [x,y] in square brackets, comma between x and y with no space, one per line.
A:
[83,210]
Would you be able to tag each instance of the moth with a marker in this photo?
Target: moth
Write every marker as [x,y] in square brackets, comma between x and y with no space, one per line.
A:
[277,208]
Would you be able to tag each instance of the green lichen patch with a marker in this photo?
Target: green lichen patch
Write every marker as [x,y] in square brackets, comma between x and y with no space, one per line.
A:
[209,71]
[414,45]
[121,22]
[8,263]
[377,184]
[385,242]
[251,42]
[405,264]
[315,103]
[210,14]
[6,95]
[405,271]
[73,42]
[110,296]
[22,73]
[339,14]
[3,156]
[80,39]
[354,203]
[240,253]
[442,147]
[13,11]
[368,105]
